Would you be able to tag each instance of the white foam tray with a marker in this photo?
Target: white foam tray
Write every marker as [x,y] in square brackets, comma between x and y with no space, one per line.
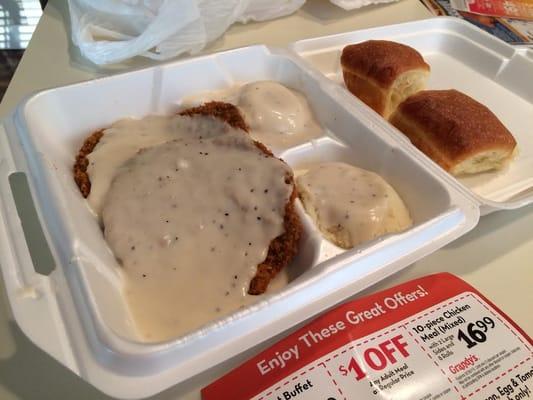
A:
[78,315]
[470,60]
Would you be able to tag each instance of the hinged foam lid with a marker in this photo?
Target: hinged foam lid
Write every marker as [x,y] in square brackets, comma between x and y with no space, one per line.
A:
[470,60]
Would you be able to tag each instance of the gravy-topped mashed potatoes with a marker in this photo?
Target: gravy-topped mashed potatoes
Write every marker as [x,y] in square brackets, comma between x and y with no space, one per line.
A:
[277,116]
[351,205]
[199,215]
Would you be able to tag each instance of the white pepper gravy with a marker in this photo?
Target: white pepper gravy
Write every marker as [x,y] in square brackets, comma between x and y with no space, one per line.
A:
[277,116]
[190,220]
[350,203]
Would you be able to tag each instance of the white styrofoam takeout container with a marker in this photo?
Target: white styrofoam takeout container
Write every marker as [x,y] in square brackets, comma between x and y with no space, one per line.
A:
[466,58]
[77,313]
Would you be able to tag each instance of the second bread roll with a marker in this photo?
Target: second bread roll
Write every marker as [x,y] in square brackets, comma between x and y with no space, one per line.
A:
[454,130]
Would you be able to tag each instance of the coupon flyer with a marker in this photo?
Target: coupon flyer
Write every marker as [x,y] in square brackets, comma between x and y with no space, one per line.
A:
[511,30]
[432,338]
[519,9]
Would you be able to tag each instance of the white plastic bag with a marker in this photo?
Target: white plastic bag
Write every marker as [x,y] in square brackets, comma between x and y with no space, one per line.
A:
[110,31]
[353,4]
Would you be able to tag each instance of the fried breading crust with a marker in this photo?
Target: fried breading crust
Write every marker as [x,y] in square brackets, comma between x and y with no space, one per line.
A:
[82,162]
[225,111]
[281,250]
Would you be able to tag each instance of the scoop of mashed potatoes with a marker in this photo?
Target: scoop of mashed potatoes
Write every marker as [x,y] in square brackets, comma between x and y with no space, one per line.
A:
[351,205]
[272,107]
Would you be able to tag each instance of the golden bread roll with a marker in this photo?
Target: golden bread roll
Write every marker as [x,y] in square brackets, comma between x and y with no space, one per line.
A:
[454,130]
[383,73]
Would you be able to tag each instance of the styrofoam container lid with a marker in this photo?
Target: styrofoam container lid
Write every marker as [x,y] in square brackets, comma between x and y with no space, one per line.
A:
[77,313]
[462,57]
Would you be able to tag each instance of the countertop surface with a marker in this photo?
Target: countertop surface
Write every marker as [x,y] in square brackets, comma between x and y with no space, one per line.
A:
[496,257]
